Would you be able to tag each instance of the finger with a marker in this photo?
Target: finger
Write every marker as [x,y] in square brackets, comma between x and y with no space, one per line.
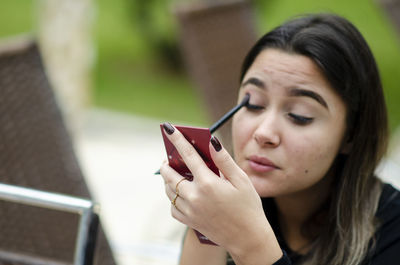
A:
[170,193]
[170,176]
[178,206]
[186,150]
[165,162]
[177,213]
[172,179]
[225,163]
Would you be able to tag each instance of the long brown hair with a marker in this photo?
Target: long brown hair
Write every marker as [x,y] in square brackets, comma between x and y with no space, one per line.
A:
[346,61]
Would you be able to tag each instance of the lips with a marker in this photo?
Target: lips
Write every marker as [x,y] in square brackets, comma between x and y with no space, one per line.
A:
[261,164]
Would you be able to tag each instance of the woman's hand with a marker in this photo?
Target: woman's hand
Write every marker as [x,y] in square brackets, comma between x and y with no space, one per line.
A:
[226,209]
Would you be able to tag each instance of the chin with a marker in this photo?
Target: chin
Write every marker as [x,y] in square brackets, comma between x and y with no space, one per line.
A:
[267,194]
[263,187]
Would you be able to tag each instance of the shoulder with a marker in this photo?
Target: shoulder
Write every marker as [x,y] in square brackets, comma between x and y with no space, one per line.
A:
[389,205]
[388,234]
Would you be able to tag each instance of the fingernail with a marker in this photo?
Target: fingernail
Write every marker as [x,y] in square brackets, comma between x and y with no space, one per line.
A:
[216,144]
[168,128]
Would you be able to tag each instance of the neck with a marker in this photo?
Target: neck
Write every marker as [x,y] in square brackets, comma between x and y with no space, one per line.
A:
[295,209]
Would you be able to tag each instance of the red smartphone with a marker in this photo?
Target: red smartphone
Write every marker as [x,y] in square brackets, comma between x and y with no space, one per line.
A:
[200,139]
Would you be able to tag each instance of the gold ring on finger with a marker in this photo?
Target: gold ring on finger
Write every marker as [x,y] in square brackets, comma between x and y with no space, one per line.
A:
[177,184]
[174,200]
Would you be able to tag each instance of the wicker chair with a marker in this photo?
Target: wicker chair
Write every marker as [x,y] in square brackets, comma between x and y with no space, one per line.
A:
[36,152]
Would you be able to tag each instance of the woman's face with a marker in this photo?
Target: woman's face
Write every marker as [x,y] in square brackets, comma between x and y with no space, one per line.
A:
[289,144]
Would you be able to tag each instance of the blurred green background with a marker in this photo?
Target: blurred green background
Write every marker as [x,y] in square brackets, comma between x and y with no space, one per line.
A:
[138,68]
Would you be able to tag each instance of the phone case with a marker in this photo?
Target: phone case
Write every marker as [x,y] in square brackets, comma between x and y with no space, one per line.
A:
[200,139]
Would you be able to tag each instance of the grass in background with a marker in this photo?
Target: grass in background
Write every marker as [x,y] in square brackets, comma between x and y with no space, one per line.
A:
[16,17]
[153,93]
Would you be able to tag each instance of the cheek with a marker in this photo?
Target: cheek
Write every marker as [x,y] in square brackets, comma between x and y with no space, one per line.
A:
[235,138]
[240,134]
[313,158]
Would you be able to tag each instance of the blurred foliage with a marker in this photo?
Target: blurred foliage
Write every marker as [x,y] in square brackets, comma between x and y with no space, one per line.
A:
[135,72]
[138,67]
[16,17]
[152,18]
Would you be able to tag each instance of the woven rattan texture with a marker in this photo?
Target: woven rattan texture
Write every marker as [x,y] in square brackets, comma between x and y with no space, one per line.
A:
[36,152]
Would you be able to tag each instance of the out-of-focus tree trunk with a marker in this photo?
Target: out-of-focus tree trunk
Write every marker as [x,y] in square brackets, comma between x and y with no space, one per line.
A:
[65,37]
[392,9]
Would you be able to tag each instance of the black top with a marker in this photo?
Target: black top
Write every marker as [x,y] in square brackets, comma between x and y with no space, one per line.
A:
[387,250]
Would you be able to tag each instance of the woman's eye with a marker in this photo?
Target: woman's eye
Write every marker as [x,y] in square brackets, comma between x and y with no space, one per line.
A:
[254,107]
[300,120]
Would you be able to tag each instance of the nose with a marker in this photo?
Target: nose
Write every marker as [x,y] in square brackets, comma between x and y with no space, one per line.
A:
[267,134]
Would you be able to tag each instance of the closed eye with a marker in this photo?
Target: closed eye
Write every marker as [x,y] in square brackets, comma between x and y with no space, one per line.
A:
[300,120]
[254,107]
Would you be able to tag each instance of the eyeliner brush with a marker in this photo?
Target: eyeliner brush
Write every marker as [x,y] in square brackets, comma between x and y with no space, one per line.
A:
[226,117]
[229,114]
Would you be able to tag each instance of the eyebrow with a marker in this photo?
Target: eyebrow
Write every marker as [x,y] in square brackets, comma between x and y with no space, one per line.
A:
[294,92]
[297,92]
[254,81]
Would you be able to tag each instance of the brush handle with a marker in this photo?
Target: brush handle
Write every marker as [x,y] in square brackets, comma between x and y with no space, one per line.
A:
[229,114]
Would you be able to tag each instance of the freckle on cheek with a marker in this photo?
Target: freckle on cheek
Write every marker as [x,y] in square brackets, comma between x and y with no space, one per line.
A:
[306,171]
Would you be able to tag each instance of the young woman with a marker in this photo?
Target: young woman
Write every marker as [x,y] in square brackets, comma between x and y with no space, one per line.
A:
[302,188]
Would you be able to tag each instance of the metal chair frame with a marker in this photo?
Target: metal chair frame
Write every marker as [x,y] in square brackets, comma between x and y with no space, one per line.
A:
[88,223]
